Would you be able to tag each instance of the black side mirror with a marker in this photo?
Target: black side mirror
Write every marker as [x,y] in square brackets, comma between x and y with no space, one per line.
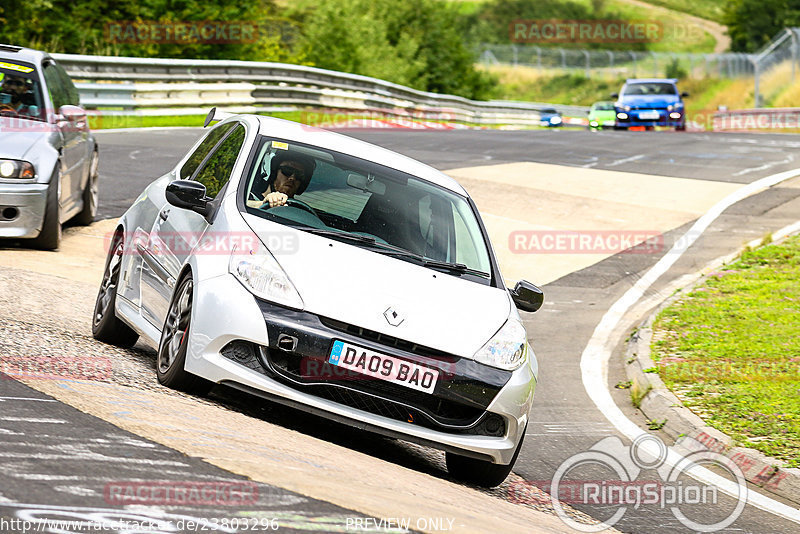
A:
[526,296]
[684,94]
[188,195]
[614,95]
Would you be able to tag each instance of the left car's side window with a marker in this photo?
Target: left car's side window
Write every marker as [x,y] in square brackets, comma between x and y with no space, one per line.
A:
[217,170]
[58,94]
[70,90]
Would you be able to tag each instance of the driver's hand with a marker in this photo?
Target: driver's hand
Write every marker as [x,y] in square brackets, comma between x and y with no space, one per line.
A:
[275,199]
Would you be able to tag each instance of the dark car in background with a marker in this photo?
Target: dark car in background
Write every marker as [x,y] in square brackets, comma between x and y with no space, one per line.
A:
[649,103]
[48,156]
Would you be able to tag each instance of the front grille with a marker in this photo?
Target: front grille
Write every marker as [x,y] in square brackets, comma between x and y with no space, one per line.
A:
[442,410]
[370,395]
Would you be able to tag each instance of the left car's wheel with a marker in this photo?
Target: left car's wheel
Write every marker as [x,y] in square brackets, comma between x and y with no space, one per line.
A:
[173,347]
[90,193]
[50,236]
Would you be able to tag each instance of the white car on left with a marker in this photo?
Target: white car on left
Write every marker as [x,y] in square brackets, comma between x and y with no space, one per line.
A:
[48,156]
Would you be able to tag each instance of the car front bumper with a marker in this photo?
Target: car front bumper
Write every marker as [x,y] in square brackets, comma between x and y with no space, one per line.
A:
[22,208]
[260,348]
[634,119]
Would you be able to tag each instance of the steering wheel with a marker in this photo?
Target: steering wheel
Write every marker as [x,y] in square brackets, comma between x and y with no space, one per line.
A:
[293,202]
[5,108]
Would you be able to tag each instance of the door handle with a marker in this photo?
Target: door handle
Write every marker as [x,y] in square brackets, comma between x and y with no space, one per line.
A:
[163,215]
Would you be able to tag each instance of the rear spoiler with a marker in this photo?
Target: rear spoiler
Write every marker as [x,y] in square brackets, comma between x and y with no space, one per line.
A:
[216,115]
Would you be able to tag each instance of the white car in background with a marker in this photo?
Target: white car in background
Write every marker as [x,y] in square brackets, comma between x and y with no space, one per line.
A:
[373,297]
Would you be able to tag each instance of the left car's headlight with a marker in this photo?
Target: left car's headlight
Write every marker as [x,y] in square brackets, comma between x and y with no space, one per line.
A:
[507,348]
[13,168]
[259,272]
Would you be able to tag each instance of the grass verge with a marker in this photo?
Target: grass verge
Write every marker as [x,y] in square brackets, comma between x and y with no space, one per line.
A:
[730,350]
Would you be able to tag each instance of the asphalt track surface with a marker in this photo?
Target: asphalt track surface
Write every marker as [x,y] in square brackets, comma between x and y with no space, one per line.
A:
[564,420]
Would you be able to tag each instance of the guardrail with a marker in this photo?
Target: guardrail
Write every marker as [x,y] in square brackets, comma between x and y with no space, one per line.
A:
[146,86]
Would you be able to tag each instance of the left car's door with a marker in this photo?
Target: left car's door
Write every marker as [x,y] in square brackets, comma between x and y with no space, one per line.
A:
[72,143]
[176,232]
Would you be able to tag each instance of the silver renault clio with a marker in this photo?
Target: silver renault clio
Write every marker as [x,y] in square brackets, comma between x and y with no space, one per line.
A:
[315,270]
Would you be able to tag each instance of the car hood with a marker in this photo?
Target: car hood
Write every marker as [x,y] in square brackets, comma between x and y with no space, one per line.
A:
[650,101]
[357,286]
[15,144]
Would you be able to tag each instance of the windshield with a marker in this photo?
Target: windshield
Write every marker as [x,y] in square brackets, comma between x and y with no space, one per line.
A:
[20,94]
[368,205]
[605,106]
[654,88]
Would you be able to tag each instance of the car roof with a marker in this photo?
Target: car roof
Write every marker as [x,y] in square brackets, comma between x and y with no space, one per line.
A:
[294,131]
[19,53]
[652,80]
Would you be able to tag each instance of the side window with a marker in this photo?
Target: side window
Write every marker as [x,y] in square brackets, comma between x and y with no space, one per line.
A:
[66,82]
[58,95]
[217,170]
[197,157]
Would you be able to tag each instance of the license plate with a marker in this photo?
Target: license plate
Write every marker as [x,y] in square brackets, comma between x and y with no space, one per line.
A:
[383,367]
[649,115]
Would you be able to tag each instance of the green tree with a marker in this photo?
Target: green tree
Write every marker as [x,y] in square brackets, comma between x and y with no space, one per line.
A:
[412,42]
[753,23]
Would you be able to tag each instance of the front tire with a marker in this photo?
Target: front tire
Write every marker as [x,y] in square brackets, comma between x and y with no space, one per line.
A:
[50,236]
[172,349]
[90,193]
[106,326]
[480,472]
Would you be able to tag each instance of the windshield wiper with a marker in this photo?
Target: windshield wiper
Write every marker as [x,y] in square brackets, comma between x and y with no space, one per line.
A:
[358,238]
[454,267]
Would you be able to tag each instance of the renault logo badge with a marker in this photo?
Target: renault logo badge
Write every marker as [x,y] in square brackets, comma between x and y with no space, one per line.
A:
[394,318]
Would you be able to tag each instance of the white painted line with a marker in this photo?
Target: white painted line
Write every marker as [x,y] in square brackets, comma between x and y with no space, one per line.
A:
[625,160]
[789,159]
[595,357]
[26,399]
[88,456]
[33,420]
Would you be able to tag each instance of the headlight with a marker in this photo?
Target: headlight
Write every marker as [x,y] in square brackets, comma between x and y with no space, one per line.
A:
[593,123]
[506,350]
[622,116]
[258,271]
[555,120]
[12,168]
[674,115]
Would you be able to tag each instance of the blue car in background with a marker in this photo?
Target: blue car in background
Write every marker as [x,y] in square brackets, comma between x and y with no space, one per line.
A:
[550,117]
[649,103]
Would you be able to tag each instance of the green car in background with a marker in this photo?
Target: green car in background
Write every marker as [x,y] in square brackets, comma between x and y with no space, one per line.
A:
[602,115]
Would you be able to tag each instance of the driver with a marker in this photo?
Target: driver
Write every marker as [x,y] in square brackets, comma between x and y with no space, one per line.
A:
[16,87]
[289,175]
